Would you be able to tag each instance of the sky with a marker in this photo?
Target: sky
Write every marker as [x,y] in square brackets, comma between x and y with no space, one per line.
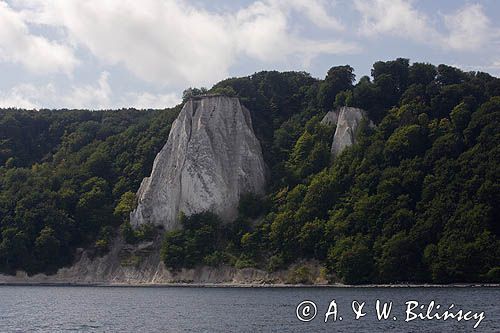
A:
[108,54]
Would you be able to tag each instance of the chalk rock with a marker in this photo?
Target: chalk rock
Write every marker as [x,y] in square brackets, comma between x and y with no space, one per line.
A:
[330,118]
[210,159]
[345,133]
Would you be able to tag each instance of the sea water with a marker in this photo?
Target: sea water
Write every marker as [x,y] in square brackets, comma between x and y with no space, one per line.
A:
[188,309]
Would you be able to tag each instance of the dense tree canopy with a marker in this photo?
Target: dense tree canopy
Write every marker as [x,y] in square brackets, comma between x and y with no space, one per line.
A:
[414,200]
[67,179]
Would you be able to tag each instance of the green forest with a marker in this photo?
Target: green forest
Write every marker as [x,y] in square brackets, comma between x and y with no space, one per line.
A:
[416,199]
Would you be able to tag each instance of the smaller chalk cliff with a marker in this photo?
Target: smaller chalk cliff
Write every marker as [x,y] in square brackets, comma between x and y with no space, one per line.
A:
[347,120]
[210,159]
[330,118]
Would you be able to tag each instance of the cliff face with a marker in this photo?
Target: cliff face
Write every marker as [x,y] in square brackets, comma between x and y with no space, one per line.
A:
[210,159]
[330,118]
[347,120]
[139,264]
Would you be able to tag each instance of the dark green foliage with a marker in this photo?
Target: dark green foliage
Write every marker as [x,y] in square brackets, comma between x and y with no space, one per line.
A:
[244,262]
[415,200]
[145,232]
[69,180]
[420,73]
[251,206]
[351,260]
[337,79]
[196,241]
[126,205]
[397,71]
[193,92]
[104,239]
[311,152]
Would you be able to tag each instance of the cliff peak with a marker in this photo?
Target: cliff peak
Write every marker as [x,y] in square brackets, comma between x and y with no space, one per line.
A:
[210,159]
[346,119]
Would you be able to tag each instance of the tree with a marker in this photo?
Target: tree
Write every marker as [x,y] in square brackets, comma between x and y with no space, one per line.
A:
[405,142]
[419,191]
[343,98]
[447,75]
[351,260]
[422,73]
[338,79]
[398,260]
[47,249]
[189,246]
[311,152]
[193,92]
[251,205]
[173,250]
[397,70]
[125,206]
[14,252]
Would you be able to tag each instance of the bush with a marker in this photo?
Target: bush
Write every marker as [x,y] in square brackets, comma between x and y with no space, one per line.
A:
[127,204]
[218,258]
[275,263]
[173,251]
[493,275]
[192,244]
[251,205]
[128,233]
[300,275]
[244,262]
[351,260]
[102,246]
[145,232]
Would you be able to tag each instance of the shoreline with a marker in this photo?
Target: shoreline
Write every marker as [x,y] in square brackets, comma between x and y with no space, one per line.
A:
[242,285]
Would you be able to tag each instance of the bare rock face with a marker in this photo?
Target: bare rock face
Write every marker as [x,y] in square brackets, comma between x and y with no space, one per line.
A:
[330,118]
[345,133]
[211,158]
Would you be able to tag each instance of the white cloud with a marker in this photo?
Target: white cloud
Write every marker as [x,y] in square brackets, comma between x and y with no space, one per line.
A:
[95,96]
[396,17]
[173,42]
[491,67]
[98,95]
[262,32]
[25,96]
[469,28]
[315,10]
[147,100]
[36,53]
[177,43]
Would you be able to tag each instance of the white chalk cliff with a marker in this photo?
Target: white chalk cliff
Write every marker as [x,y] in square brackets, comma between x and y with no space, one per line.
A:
[330,118]
[210,159]
[347,120]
